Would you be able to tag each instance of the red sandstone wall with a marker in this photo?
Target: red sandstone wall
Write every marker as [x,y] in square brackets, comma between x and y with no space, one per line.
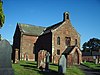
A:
[27,46]
[87,58]
[65,30]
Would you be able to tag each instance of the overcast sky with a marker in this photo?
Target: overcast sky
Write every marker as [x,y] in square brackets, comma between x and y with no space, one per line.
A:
[84,15]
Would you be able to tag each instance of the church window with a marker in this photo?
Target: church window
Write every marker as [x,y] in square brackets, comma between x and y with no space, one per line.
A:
[67,41]
[58,40]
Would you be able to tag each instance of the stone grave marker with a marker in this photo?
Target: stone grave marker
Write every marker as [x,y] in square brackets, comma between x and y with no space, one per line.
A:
[41,59]
[5,58]
[47,61]
[16,56]
[62,64]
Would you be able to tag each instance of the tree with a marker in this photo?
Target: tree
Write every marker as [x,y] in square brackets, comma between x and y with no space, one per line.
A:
[2,17]
[92,45]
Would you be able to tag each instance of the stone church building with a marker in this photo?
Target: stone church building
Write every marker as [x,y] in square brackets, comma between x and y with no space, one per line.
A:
[58,39]
[23,41]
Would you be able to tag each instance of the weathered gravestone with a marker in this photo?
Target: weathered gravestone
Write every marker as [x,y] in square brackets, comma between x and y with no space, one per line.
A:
[62,64]
[95,59]
[5,58]
[41,59]
[47,61]
[16,56]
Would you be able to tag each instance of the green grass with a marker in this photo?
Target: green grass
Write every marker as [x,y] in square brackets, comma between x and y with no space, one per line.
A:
[30,68]
[92,65]
[74,71]
[25,68]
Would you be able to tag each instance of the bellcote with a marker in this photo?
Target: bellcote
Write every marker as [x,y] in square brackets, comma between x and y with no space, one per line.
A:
[66,16]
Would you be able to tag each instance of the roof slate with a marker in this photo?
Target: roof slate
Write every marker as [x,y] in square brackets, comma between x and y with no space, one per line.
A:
[52,27]
[31,29]
[69,49]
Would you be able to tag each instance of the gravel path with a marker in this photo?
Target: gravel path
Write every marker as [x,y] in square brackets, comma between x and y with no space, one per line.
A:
[89,71]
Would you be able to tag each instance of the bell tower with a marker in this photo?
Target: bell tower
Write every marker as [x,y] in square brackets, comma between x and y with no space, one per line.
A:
[66,16]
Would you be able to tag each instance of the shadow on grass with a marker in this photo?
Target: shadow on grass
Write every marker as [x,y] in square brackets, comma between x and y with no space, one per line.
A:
[88,70]
[33,66]
[28,66]
[53,64]
[31,63]
[98,66]
[50,72]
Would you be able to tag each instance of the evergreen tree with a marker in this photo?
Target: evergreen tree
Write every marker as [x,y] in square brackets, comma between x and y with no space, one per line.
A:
[2,17]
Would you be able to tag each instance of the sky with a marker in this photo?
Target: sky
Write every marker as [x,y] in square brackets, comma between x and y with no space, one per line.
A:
[84,15]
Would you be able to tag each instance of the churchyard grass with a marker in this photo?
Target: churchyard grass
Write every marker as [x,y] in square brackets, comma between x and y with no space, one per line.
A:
[92,65]
[25,68]
[74,70]
[30,68]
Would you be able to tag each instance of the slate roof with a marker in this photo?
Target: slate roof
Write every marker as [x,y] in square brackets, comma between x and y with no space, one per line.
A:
[30,29]
[52,27]
[68,49]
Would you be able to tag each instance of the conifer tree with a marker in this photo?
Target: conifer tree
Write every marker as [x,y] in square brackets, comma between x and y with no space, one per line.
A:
[2,17]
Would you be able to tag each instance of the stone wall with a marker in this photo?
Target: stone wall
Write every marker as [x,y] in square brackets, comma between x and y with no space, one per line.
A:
[27,47]
[64,30]
[87,58]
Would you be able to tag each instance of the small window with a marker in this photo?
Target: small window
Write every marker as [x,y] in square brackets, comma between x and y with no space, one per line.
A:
[67,41]
[58,52]
[58,40]
[75,41]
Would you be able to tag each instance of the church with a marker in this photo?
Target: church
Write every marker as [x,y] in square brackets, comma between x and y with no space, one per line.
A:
[57,39]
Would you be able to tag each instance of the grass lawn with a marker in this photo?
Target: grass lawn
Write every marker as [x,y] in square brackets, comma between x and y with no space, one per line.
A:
[30,68]
[92,65]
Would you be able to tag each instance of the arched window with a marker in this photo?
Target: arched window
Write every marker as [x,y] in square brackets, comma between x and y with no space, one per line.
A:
[58,40]
[67,41]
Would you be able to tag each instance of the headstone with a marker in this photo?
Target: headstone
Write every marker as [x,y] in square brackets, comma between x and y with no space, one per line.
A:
[5,58]
[62,64]
[16,56]
[96,60]
[47,61]
[41,59]
[26,56]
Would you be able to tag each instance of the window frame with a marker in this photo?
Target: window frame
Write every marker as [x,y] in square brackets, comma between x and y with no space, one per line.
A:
[67,41]
[58,40]
[58,51]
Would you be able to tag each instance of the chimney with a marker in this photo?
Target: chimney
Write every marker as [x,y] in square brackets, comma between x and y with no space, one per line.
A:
[66,16]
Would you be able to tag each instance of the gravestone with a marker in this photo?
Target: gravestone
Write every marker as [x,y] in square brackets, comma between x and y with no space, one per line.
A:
[5,58]
[95,59]
[16,56]
[41,59]
[47,61]
[62,64]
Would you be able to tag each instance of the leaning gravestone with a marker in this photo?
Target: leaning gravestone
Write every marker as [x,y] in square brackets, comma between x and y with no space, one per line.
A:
[62,64]
[5,58]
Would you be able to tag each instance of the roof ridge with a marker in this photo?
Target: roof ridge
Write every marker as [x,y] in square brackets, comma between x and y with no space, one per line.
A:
[30,25]
[30,29]
[55,24]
